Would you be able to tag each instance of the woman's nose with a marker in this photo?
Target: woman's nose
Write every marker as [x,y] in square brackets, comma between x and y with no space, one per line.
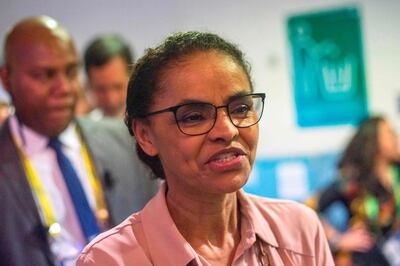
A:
[223,128]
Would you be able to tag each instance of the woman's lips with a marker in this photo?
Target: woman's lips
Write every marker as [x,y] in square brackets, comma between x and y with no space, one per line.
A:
[225,157]
[229,159]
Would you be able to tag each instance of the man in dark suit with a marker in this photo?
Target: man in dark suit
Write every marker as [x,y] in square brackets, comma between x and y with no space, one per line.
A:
[62,180]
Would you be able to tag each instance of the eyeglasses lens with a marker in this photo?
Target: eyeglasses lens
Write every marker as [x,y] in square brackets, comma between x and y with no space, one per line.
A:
[199,118]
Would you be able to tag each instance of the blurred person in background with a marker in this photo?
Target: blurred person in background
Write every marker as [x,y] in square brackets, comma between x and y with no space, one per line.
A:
[5,106]
[62,180]
[83,105]
[108,59]
[368,187]
[5,110]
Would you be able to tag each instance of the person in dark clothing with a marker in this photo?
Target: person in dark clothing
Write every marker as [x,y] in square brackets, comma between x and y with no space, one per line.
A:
[368,186]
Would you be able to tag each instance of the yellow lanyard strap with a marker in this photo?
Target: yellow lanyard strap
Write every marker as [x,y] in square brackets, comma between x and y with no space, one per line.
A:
[43,200]
[38,189]
[101,210]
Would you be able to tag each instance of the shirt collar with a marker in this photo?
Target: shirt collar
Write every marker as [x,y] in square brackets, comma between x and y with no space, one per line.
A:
[69,137]
[253,221]
[168,247]
[33,142]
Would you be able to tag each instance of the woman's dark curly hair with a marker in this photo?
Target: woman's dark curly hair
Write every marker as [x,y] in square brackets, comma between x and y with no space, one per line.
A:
[147,76]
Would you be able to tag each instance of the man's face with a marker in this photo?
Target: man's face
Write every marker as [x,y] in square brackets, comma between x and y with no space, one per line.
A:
[109,84]
[42,78]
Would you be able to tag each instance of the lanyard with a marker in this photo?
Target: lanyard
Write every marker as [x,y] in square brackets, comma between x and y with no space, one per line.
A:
[43,200]
[101,209]
[34,182]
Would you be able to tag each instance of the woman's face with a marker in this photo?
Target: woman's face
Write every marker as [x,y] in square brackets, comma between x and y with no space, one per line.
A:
[387,142]
[219,161]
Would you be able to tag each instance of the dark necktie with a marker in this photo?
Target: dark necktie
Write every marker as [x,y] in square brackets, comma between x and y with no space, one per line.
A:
[85,214]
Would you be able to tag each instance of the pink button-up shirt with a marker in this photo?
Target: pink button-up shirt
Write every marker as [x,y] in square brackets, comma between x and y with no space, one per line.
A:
[287,232]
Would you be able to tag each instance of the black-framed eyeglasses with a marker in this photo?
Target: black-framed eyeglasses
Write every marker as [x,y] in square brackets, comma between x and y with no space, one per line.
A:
[199,118]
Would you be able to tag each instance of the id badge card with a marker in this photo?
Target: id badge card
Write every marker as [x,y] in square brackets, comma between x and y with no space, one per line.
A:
[65,248]
[391,249]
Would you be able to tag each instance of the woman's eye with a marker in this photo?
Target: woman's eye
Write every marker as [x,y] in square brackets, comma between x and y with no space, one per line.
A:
[192,118]
[241,109]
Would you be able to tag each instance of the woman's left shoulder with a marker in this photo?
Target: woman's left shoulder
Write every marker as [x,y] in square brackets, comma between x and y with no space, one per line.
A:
[293,227]
[284,210]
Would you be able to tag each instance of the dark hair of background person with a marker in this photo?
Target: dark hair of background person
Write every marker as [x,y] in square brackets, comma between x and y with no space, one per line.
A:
[358,159]
[106,47]
[147,76]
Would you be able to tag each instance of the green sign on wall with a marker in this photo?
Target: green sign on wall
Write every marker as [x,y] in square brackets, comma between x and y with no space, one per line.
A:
[328,67]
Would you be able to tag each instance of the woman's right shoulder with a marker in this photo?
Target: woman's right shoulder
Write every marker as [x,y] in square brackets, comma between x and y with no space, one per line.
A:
[122,245]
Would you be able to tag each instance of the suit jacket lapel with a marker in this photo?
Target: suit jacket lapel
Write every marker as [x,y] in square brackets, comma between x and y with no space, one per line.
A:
[85,127]
[14,177]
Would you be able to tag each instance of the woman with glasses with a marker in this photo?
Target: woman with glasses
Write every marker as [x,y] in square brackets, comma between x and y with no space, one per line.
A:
[193,112]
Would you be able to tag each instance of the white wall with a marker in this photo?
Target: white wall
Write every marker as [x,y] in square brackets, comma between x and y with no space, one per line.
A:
[259,27]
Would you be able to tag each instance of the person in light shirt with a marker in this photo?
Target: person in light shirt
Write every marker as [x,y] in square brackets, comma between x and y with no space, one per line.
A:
[62,181]
[192,108]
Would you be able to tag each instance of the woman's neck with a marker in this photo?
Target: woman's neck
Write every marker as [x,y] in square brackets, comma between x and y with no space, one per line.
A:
[210,223]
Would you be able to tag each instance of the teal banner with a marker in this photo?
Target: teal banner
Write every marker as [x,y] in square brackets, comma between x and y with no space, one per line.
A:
[292,177]
[328,67]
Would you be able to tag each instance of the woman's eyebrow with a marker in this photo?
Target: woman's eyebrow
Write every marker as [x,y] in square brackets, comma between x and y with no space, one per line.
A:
[228,99]
[237,95]
[186,101]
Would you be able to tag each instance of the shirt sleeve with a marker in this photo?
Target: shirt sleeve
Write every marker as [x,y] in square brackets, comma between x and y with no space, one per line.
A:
[94,257]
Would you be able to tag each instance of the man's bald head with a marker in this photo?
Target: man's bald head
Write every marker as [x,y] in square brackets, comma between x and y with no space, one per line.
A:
[38,30]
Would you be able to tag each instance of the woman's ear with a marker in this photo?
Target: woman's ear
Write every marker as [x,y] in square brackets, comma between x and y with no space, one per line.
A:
[144,137]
